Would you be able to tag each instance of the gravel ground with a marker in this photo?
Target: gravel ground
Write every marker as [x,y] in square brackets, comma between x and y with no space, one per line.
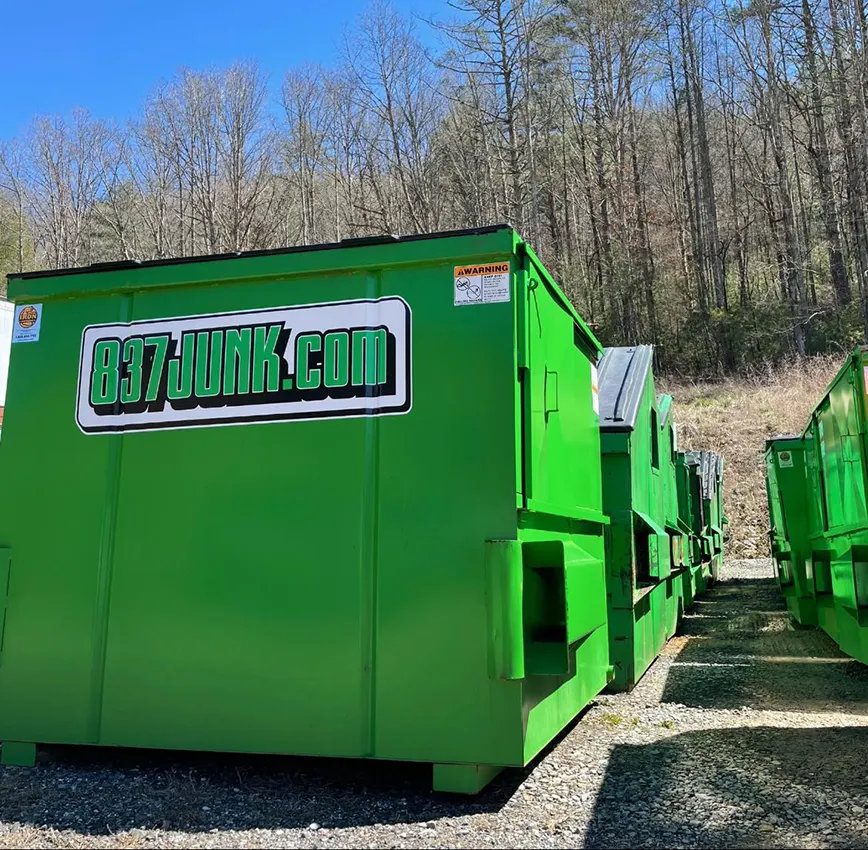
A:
[745,733]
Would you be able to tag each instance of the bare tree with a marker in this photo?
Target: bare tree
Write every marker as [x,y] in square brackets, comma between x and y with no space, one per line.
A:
[14,186]
[396,85]
[694,173]
[64,172]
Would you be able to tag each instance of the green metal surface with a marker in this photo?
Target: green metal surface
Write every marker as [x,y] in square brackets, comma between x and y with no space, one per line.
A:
[463,778]
[836,563]
[789,536]
[695,578]
[17,754]
[427,584]
[701,504]
[679,533]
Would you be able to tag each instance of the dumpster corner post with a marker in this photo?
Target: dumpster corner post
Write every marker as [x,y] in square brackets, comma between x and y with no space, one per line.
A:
[18,754]
[464,778]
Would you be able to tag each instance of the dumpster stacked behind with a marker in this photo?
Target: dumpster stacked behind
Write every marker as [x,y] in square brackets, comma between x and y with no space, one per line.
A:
[659,543]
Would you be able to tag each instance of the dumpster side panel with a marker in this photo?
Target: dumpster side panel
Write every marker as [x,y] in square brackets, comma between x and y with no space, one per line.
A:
[617,486]
[778,536]
[55,523]
[786,483]
[261,609]
[841,454]
[566,644]
[685,507]
[446,483]
[674,605]
[562,428]
[301,679]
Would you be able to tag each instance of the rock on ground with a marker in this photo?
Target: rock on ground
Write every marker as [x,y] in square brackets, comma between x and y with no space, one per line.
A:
[745,733]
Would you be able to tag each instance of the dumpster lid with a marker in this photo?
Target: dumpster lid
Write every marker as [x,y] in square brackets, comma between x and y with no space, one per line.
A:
[711,464]
[783,438]
[664,408]
[654,526]
[622,377]
[584,336]
[265,252]
[683,527]
[855,360]
[672,525]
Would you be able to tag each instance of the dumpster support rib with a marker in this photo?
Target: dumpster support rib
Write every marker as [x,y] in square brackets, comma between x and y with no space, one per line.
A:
[464,778]
[18,754]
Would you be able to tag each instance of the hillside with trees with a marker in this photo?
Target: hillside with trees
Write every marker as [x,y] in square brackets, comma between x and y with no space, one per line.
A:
[693,173]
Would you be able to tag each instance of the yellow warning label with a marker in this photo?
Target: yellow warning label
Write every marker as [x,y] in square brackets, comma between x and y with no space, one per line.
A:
[482,283]
[491,268]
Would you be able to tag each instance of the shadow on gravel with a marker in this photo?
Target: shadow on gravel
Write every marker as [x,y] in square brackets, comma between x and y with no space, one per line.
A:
[99,791]
[750,787]
[742,651]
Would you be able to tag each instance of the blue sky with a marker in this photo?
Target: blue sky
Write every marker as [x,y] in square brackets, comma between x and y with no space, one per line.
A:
[106,56]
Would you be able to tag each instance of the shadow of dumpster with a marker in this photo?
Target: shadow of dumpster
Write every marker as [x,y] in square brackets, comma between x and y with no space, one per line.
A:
[750,787]
[102,791]
[743,652]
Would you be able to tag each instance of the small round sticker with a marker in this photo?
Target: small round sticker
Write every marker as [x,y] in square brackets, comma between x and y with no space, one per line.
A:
[27,317]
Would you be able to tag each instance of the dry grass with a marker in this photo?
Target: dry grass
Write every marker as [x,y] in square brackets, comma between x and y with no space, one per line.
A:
[734,417]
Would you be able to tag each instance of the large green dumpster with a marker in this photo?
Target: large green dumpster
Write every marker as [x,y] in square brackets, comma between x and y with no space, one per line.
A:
[339,501]
[835,459]
[643,602]
[789,533]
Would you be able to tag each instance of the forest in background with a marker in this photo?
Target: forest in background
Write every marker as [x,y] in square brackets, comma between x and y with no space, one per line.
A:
[695,174]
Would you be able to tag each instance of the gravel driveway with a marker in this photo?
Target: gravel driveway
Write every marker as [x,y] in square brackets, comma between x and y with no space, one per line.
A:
[745,733]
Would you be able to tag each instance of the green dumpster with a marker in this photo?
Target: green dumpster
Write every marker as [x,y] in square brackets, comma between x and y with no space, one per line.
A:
[835,458]
[335,501]
[691,516]
[789,533]
[708,517]
[678,533]
[643,590]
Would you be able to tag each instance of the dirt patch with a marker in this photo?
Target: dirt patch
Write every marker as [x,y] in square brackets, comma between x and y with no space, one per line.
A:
[734,417]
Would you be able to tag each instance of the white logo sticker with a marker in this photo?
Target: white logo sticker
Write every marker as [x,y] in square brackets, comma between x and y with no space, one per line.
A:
[28,320]
[317,361]
[785,459]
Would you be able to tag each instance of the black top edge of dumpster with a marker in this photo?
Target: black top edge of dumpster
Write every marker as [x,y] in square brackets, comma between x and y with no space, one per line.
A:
[623,372]
[777,437]
[265,252]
